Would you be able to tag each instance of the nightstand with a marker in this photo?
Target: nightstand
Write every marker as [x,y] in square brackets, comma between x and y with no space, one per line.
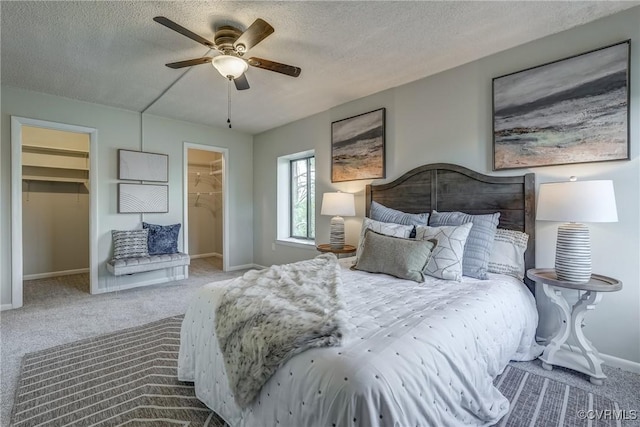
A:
[346,249]
[581,356]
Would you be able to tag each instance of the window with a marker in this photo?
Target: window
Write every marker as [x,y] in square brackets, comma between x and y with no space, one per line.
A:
[303,198]
[296,204]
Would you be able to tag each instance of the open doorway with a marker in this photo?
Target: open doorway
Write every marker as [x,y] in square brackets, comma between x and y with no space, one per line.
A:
[54,208]
[205,207]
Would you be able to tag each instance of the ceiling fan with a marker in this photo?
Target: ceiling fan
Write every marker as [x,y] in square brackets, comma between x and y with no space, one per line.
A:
[232,44]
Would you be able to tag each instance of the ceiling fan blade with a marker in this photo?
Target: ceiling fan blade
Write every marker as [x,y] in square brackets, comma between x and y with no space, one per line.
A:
[288,70]
[256,32]
[180,29]
[189,62]
[241,82]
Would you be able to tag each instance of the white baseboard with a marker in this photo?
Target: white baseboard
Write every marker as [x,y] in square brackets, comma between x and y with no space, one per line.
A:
[259,267]
[624,364]
[4,307]
[607,359]
[243,267]
[117,287]
[209,255]
[54,274]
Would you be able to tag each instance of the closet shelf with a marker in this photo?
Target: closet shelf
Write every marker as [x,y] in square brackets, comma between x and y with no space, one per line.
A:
[35,147]
[54,179]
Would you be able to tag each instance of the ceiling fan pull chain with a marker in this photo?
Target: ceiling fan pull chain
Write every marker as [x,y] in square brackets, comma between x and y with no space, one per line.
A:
[229,103]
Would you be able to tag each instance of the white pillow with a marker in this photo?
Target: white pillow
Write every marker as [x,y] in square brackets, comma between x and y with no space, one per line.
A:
[507,254]
[386,228]
[446,258]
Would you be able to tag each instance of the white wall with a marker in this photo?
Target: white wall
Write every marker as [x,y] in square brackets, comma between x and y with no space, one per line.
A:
[447,118]
[122,129]
[55,227]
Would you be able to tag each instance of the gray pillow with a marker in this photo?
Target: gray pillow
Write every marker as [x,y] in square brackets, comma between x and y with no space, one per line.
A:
[388,229]
[130,243]
[477,249]
[382,213]
[446,260]
[403,258]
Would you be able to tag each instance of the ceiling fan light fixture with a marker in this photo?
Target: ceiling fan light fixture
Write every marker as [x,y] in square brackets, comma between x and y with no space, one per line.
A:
[230,66]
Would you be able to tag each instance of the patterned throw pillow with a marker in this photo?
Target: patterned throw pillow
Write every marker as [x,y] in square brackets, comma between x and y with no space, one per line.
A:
[129,243]
[446,261]
[479,243]
[507,255]
[384,214]
[388,229]
[399,257]
[163,239]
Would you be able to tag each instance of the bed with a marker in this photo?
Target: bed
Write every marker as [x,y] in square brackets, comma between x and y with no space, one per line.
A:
[418,353]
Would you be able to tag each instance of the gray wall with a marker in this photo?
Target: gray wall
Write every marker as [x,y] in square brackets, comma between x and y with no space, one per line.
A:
[447,118]
[122,129]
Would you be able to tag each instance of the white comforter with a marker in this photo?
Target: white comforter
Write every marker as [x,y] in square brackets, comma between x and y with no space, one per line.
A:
[419,355]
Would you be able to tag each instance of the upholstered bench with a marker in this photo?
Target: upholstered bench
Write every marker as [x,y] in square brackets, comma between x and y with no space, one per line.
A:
[118,267]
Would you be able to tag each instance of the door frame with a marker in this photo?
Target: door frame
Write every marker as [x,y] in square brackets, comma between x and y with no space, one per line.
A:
[16,201]
[225,197]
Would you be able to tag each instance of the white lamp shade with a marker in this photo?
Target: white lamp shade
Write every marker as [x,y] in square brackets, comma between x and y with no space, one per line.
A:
[338,204]
[577,201]
[229,65]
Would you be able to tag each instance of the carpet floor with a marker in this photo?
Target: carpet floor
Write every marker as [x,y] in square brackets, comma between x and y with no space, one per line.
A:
[130,377]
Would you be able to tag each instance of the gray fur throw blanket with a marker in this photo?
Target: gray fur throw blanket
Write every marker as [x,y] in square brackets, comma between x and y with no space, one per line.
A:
[267,316]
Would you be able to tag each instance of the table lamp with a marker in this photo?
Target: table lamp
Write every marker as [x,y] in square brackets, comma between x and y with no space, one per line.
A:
[338,205]
[575,202]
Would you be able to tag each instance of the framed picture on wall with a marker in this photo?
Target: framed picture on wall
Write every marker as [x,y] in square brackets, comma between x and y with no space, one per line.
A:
[143,198]
[141,166]
[357,147]
[574,110]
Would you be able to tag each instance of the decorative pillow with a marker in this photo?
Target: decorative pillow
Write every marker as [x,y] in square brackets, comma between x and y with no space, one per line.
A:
[477,249]
[388,229]
[384,214]
[507,255]
[396,256]
[163,239]
[447,257]
[129,243]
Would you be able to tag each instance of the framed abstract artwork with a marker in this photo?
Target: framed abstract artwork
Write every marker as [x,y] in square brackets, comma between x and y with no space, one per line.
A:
[143,198]
[575,110]
[141,166]
[357,147]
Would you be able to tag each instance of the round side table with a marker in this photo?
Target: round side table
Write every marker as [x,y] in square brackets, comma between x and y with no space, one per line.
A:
[581,356]
[346,249]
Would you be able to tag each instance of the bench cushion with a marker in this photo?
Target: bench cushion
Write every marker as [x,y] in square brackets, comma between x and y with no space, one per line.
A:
[119,267]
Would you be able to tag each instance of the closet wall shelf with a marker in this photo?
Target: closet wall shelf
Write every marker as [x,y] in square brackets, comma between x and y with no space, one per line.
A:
[54,179]
[53,150]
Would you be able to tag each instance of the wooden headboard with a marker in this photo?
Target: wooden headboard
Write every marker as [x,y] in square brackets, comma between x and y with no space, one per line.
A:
[446,187]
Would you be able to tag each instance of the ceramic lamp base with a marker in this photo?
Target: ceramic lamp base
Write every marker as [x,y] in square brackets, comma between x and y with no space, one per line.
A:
[336,238]
[573,253]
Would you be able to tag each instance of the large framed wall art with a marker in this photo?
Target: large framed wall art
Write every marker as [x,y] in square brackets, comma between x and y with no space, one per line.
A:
[141,166]
[143,198]
[357,147]
[574,110]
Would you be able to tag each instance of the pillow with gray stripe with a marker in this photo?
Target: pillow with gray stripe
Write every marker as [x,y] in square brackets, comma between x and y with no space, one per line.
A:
[130,243]
[382,213]
[477,248]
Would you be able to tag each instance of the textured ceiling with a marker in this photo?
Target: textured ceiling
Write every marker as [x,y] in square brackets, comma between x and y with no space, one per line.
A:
[113,53]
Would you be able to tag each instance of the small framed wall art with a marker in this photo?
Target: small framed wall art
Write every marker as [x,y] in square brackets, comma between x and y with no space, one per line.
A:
[143,198]
[141,166]
[357,147]
[574,110]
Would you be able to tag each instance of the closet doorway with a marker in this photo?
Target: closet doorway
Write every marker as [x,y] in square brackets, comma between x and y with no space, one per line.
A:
[205,184]
[54,208]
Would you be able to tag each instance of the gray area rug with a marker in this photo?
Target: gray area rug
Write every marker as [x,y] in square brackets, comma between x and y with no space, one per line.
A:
[129,377]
